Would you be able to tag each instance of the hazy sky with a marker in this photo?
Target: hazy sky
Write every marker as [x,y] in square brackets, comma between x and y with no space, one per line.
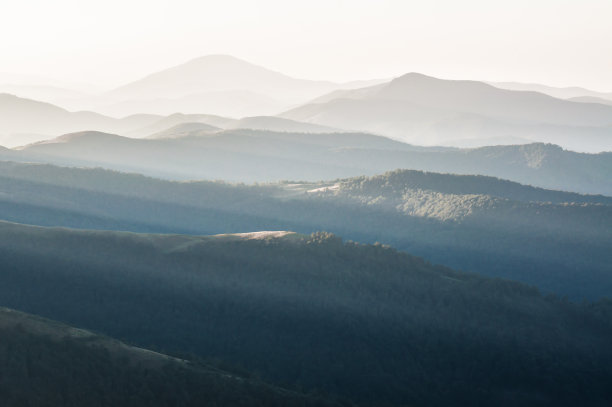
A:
[110,42]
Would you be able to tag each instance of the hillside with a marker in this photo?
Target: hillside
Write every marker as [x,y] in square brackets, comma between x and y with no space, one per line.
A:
[48,363]
[219,73]
[278,124]
[184,129]
[268,123]
[264,156]
[364,322]
[428,111]
[555,240]
[24,120]
[176,119]
[216,84]
[591,99]
[223,84]
[561,93]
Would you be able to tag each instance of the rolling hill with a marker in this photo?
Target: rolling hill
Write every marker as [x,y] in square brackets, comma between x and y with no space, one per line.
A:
[23,121]
[184,129]
[556,240]
[591,99]
[45,362]
[262,156]
[362,322]
[26,121]
[561,93]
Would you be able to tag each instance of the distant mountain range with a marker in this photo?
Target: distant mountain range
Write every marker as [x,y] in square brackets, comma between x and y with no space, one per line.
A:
[591,99]
[215,84]
[261,156]
[428,111]
[25,121]
[561,93]
[414,108]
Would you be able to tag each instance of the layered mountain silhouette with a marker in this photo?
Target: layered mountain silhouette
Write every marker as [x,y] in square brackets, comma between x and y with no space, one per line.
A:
[215,84]
[591,99]
[558,241]
[260,156]
[426,110]
[25,121]
[561,93]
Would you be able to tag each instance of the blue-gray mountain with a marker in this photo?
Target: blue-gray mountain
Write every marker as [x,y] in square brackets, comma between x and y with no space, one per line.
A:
[261,156]
[559,241]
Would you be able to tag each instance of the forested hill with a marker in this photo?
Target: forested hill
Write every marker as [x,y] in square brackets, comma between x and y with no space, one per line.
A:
[555,240]
[398,181]
[46,363]
[264,156]
[365,322]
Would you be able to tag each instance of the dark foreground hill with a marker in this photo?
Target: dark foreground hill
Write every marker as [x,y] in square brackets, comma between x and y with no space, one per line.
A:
[46,363]
[365,322]
[556,240]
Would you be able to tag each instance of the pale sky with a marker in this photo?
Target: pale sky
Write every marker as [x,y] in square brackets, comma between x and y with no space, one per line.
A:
[111,42]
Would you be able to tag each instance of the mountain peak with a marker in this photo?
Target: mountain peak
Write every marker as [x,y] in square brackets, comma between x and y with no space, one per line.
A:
[82,136]
[414,76]
[219,59]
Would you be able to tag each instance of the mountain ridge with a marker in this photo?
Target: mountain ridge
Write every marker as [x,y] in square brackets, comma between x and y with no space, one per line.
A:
[313,313]
[425,110]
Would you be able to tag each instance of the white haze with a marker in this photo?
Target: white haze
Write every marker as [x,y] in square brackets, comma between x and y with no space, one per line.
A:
[139,69]
[113,42]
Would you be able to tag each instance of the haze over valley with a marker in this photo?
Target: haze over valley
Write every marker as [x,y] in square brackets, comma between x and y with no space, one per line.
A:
[344,203]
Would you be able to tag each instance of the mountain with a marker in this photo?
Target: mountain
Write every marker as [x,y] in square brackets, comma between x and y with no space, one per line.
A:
[591,99]
[185,129]
[561,93]
[164,123]
[269,123]
[216,73]
[234,155]
[425,110]
[49,363]
[26,121]
[278,124]
[362,322]
[23,121]
[260,156]
[555,240]
[215,84]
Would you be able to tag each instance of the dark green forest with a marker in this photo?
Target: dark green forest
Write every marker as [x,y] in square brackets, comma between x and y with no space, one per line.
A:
[313,313]
[555,240]
[43,363]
